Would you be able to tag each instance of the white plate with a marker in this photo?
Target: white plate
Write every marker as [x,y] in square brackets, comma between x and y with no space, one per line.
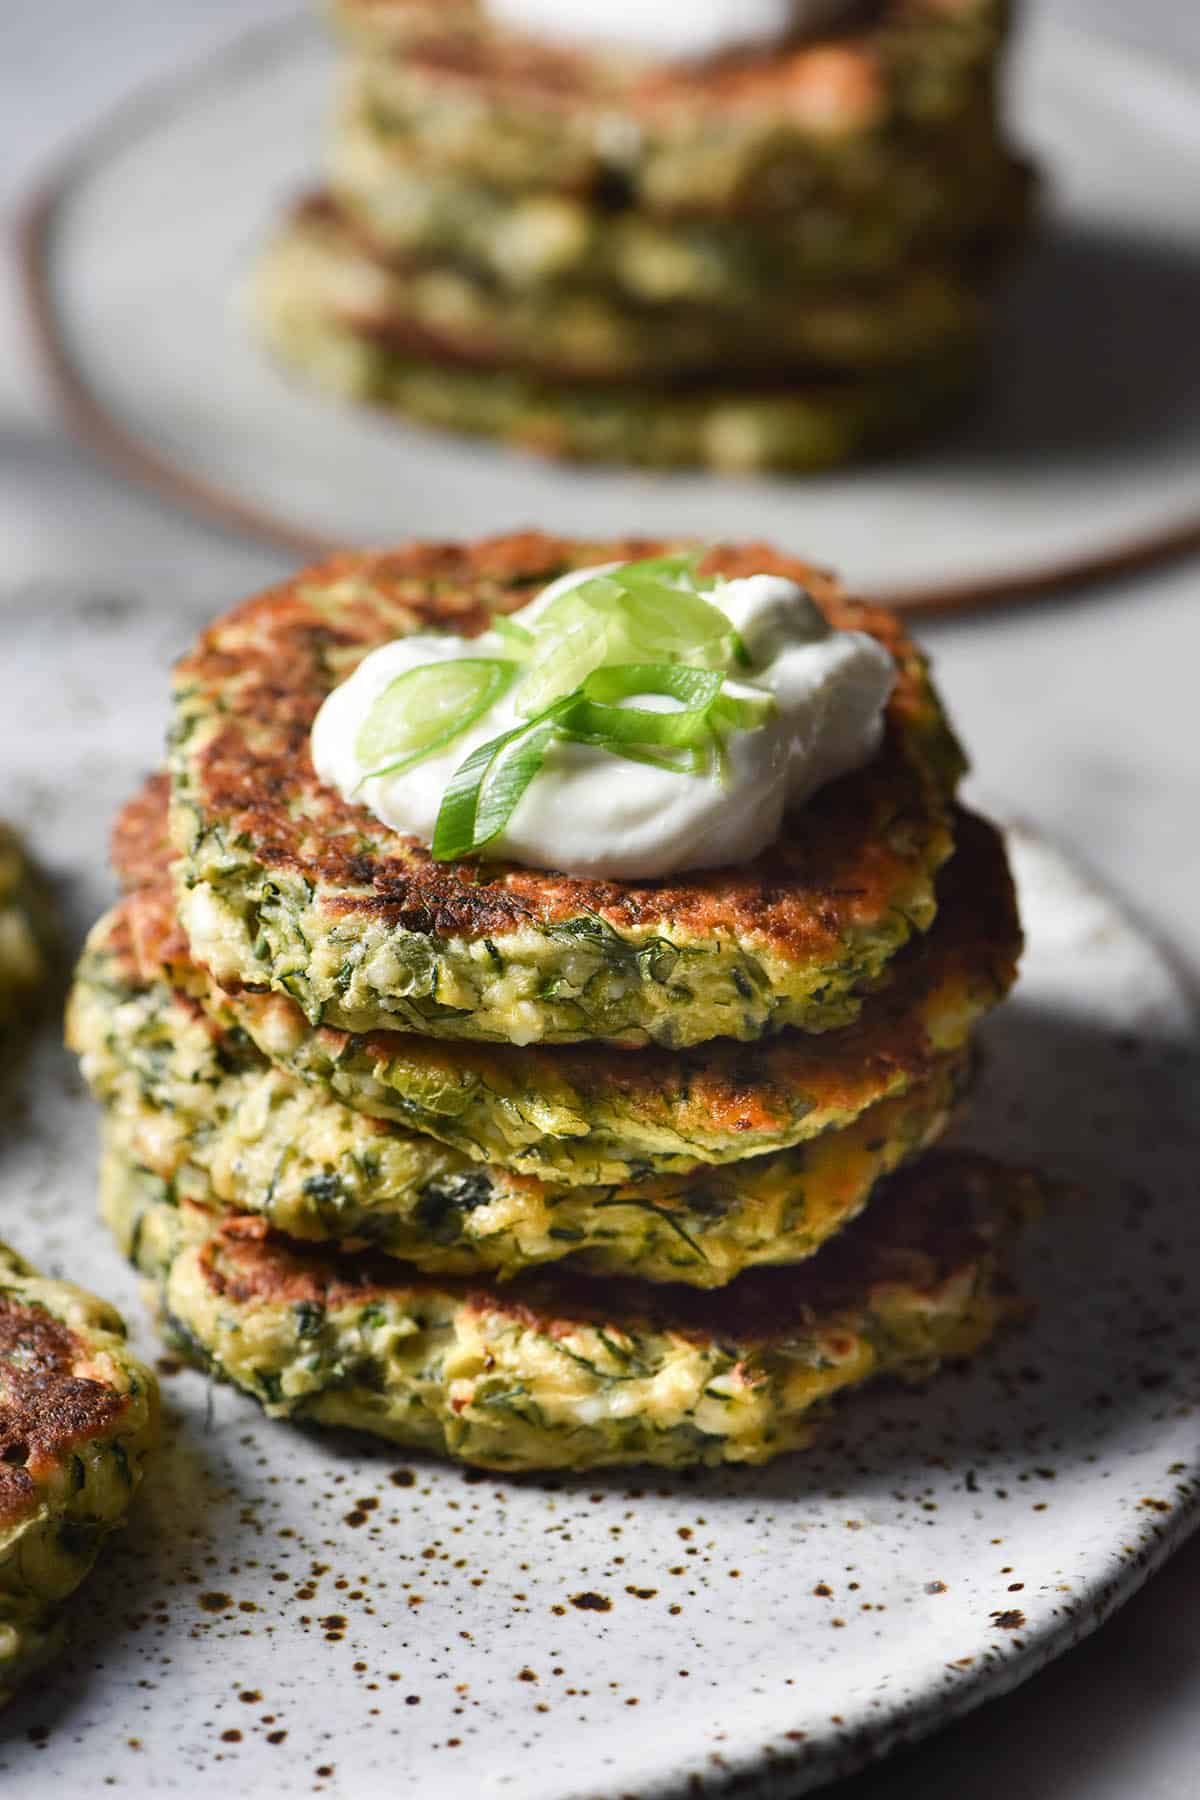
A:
[1085,455]
[967,1533]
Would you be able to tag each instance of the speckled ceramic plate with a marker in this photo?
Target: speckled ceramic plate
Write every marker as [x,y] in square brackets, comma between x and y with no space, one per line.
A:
[289,1613]
[135,253]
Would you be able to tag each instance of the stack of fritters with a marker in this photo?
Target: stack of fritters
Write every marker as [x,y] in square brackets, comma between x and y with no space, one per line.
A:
[570,1106]
[771,261]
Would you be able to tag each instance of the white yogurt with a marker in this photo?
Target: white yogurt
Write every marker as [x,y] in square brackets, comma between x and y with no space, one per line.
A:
[592,813]
[674,31]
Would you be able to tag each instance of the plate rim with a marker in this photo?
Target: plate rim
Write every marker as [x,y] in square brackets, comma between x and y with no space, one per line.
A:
[837,1757]
[121,447]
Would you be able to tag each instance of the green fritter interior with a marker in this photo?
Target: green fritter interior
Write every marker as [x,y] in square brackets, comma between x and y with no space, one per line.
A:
[597,1114]
[549,1372]
[200,1110]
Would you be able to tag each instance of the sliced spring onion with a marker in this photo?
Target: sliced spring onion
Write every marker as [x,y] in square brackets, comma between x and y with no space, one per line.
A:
[425,708]
[696,761]
[563,662]
[642,630]
[744,712]
[650,611]
[741,655]
[679,569]
[590,599]
[597,715]
[520,639]
[510,774]
[688,739]
[670,622]
[468,818]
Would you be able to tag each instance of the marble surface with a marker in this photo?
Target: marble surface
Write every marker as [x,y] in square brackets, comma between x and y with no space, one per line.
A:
[1080,715]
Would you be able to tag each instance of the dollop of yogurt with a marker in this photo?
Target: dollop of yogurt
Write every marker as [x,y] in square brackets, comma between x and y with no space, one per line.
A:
[591,813]
[670,31]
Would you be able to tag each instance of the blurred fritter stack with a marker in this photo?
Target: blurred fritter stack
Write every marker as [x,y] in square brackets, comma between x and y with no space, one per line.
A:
[779,259]
[534,1169]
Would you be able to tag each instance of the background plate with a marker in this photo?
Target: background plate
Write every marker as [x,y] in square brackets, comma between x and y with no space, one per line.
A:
[1084,458]
[289,1612]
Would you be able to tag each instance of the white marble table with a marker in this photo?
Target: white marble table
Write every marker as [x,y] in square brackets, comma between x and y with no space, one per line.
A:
[1082,715]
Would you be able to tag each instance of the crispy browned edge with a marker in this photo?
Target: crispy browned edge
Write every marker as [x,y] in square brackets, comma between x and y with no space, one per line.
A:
[926,1225]
[737,1087]
[831,872]
[46,1407]
[838,83]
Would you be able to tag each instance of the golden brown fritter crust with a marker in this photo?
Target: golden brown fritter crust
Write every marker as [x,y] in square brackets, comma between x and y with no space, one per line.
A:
[726,1087]
[856,862]
[978,936]
[273,659]
[48,1405]
[205,1112]
[927,1223]
[78,1418]
[554,1371]
[138,841]
[598,1107]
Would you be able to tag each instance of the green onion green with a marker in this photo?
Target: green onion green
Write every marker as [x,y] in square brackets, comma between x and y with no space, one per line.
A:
[518,637]
[465,821]
[597,715]
[425,708]
[563,662]
[744,712]
[643,630]
[687,739]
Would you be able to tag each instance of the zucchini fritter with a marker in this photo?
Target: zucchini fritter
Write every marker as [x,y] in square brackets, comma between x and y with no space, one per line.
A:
[798,425]
[967,198]
[875,112]
[282,884]
[447,313]
[78,1415]
[555,1372]
[598,1113]
[200,1110]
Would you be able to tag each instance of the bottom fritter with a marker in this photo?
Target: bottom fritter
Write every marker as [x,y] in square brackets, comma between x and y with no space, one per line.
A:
[554,1371]
[78,1415]
[799,424]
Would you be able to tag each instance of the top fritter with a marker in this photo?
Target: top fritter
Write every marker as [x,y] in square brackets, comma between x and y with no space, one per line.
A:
[285,882]
[887,84]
